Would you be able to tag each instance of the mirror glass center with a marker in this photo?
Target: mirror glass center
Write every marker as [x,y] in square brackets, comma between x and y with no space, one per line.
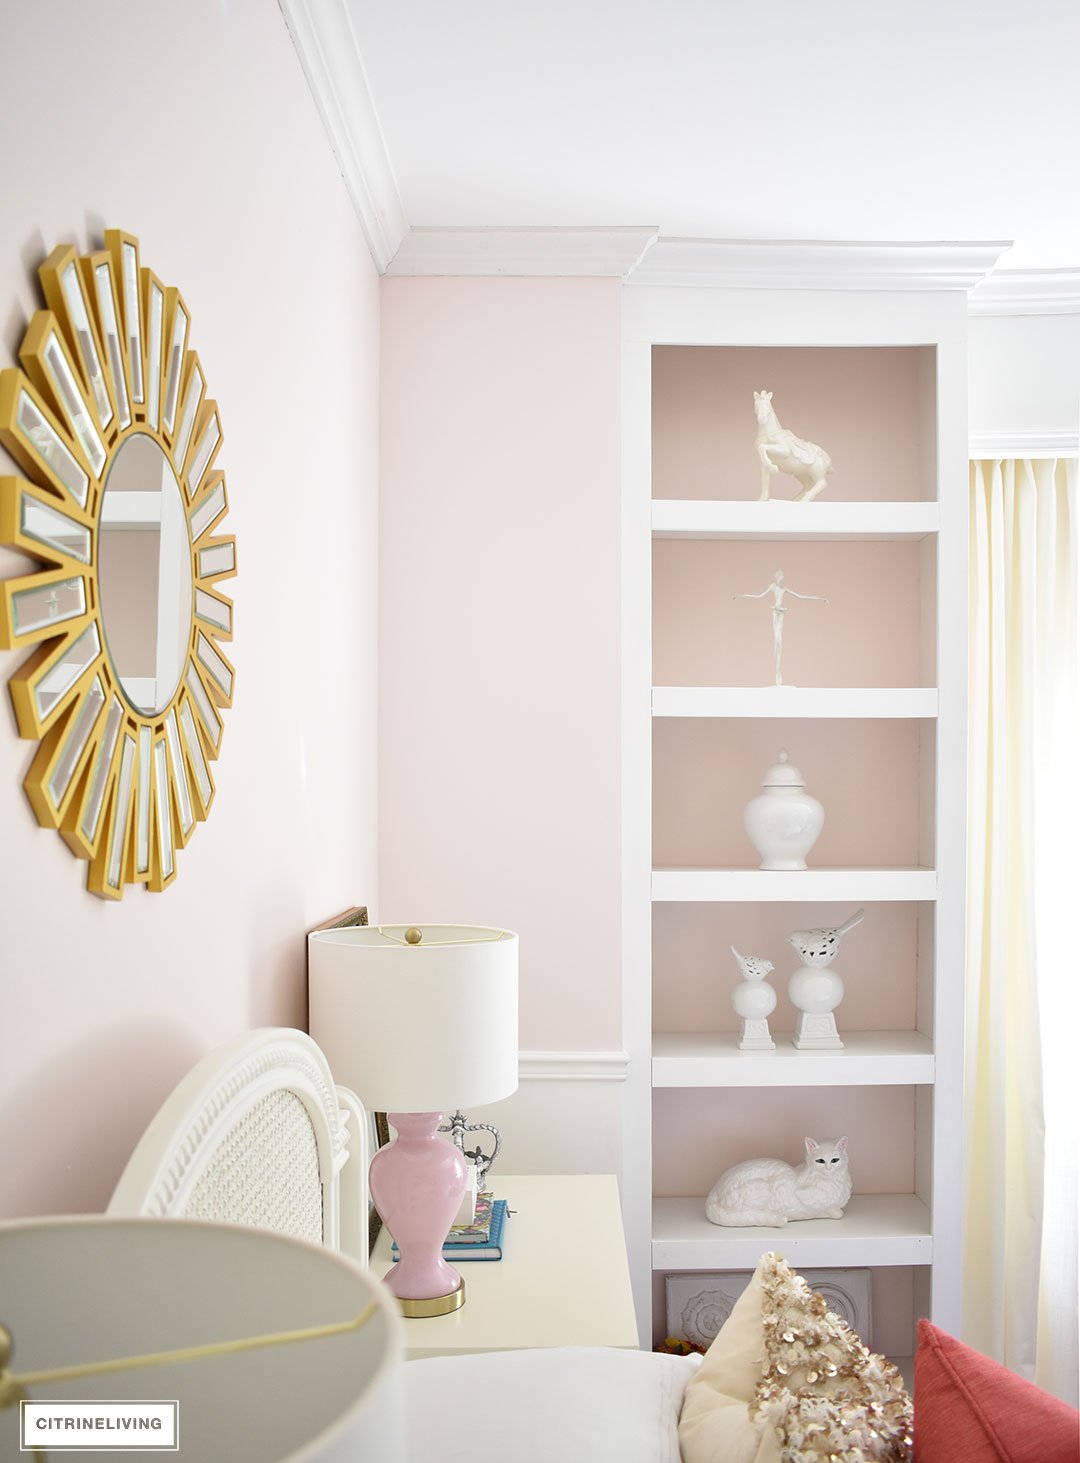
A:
[144,574]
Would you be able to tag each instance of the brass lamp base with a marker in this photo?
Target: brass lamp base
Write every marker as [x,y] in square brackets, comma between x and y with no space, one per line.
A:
[436,1305]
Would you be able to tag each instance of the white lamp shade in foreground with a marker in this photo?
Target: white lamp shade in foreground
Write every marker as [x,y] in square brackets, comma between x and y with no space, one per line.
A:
[92,1289]
[425,1027]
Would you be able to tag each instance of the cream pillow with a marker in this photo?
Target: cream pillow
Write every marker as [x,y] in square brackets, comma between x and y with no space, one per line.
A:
[715,1425]
[786,1380]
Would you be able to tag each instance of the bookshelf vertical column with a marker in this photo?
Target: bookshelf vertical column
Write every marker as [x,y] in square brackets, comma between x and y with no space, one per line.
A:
[875,717]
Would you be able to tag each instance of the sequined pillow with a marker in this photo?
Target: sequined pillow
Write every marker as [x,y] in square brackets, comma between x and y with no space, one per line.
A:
[786,1381]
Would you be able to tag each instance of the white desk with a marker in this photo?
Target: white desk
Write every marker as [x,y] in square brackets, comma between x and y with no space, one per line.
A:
[563,1279]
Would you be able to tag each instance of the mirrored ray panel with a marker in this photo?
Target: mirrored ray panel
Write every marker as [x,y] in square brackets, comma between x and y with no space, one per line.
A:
[47,604]
[68,394]
[203,452]
[123,808]
[195,752]
[133,320]
[176,361]
[142,826]
[187,418]
[80,323]
[153,381]
[100,775]
[40,436]
[206,711]
[179,772]
[211,507]
[82,724]
[164,811]
[217,559]
[60,678]
[213,664]
[213,611]
[48,526]
[107,311]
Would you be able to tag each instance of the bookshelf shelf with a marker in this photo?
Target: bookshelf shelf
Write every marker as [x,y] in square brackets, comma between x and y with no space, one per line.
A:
[711,518]
[759,885]
[869,1059]
[877,1229]
[855,702]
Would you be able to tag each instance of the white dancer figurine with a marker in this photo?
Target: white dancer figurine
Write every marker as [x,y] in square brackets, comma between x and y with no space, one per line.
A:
[778,589]
[781,451]
[770,1192]
[754,1000]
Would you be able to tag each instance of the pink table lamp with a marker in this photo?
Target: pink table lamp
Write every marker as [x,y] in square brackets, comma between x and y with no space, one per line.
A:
[419,1021]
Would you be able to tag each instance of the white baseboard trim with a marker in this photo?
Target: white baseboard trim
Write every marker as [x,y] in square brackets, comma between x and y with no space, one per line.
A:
[573,1066]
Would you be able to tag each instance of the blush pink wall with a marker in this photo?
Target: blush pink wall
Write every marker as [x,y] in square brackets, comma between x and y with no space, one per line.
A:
[192,126]
[499,715]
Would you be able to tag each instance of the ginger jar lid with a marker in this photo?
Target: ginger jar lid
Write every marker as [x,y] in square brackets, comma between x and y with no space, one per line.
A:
[783,774]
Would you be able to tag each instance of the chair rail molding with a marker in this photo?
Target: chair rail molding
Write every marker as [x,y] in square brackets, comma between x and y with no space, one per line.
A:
[812,264]
[1028,292]
[573,1066]
[325,42]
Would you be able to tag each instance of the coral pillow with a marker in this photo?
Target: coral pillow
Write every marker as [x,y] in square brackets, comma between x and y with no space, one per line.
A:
[969,1407]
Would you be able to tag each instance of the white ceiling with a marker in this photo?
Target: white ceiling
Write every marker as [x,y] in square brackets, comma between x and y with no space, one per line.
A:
[791,119]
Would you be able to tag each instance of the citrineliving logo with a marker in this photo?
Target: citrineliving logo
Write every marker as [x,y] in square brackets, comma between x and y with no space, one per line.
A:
[100,1427]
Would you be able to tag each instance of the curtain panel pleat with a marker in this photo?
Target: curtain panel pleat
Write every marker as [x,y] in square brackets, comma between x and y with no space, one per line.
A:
[1020,1286]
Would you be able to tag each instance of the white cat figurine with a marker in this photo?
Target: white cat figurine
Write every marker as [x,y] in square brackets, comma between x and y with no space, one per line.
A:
[767,1191]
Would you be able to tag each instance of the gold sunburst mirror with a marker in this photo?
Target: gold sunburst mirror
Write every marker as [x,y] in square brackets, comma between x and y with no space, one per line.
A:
[110,421]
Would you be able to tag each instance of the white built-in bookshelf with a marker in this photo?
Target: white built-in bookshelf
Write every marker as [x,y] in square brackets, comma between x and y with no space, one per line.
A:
[874,717]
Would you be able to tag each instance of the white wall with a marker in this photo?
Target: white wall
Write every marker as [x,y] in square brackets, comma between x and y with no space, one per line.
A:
[192,126]
[1024,375]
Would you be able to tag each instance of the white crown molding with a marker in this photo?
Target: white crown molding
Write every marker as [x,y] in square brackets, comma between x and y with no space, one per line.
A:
[1028,292]
[326,44]
[776,264]
[1024,444]
[516,252]
[573,1066]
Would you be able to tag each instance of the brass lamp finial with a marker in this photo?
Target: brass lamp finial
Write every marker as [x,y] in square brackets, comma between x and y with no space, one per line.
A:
[413,936]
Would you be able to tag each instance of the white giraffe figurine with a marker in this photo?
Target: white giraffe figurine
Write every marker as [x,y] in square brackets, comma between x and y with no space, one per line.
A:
[781,451]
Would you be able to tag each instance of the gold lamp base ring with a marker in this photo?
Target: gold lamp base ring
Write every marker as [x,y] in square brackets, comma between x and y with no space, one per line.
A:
[436,1305]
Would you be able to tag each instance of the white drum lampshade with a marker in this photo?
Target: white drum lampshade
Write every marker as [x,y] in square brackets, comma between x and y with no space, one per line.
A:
[425,1027]
[418,1021]
[80,1291]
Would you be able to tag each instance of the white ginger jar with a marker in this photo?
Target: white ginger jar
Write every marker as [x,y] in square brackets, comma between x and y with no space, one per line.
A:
[783,821]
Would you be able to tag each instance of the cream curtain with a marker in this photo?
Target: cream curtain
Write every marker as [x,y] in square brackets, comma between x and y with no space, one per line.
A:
[1023,1013]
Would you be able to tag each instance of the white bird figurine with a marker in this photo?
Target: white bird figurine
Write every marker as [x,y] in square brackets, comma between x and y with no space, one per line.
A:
[754,1000]
[753,967]
[818,947]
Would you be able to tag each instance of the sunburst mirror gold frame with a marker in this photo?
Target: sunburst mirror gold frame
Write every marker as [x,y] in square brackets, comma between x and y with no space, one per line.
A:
[123,766]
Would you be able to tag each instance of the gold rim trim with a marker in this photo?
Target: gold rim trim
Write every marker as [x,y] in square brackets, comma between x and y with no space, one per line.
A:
[436,1305]
[110,359]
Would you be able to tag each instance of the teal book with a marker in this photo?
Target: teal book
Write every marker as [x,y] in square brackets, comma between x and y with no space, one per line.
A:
[492,1249]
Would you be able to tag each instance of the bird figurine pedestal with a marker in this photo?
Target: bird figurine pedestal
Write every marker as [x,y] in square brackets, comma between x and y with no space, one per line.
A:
[754,1036]
[815,1031]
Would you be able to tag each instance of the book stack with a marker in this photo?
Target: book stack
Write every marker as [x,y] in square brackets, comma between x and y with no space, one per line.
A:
[480,1240]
